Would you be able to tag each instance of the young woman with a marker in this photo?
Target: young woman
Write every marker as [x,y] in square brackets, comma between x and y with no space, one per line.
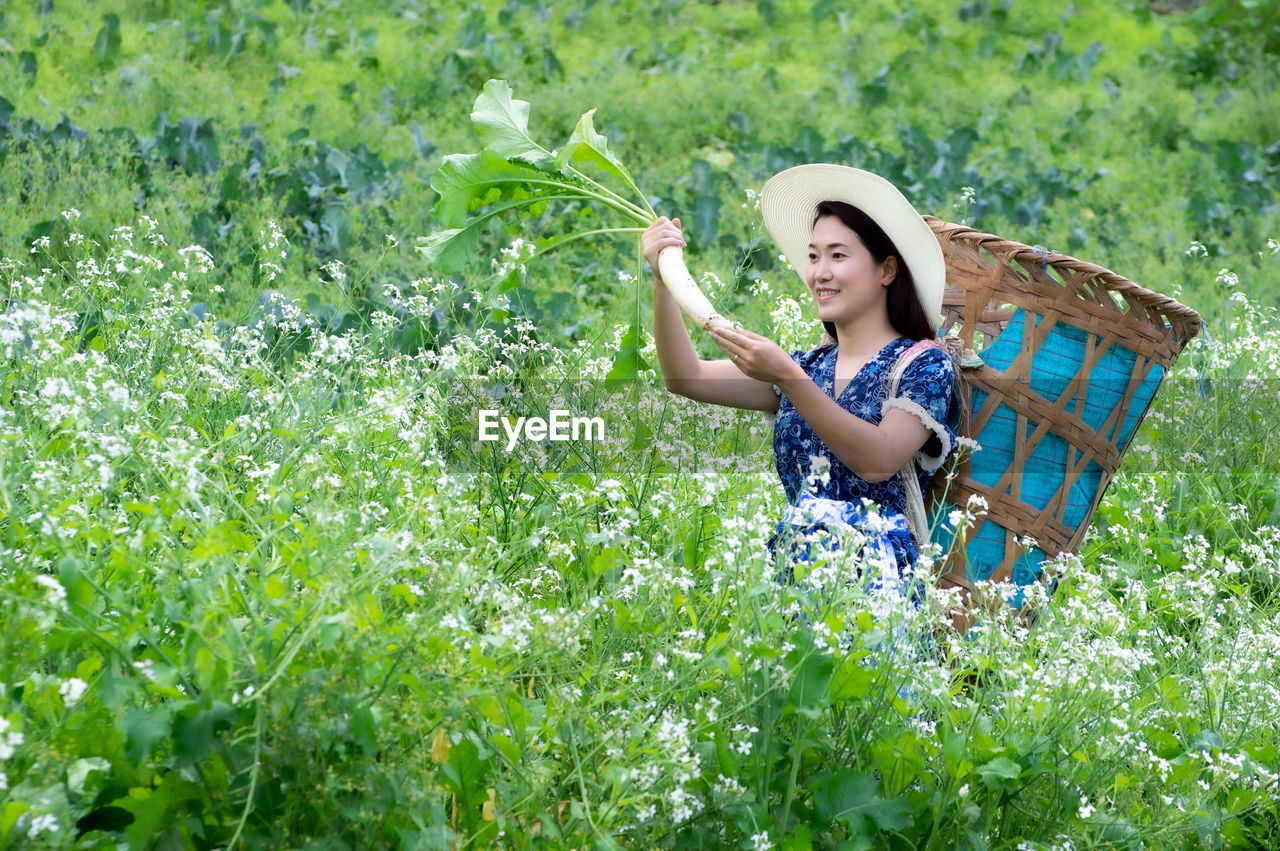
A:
[876,274]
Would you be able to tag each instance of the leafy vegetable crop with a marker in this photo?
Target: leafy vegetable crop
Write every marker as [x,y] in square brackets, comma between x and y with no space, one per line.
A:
[513,173]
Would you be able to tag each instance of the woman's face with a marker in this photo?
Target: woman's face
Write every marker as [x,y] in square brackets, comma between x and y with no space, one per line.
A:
[844,279]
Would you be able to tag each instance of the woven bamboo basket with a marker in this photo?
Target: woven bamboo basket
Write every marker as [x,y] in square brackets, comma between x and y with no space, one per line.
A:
[1012,304]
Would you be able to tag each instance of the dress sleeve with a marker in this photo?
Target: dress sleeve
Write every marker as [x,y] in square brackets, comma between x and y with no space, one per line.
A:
[925,390]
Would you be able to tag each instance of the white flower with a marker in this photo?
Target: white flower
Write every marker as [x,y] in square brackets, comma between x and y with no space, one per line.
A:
[43,823]
[819,469]
[72,690]
[10,743]
[760,841]
[335,270]
[54,592]
[791,324]
[197,254]
[273,235]
[1227,279]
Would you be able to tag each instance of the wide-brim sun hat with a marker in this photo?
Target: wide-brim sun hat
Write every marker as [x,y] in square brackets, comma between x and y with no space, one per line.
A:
[790,199]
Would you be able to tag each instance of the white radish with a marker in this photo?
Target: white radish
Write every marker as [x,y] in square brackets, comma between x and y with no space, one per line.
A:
[675,275]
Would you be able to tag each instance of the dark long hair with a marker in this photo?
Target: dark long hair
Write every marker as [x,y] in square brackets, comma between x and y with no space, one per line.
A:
[906,314]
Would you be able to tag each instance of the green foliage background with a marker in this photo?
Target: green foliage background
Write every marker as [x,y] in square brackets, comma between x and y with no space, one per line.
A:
[1096,129]
[299,620]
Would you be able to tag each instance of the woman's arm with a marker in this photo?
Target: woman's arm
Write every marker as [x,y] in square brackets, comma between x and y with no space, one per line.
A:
[874,452]
[718,381]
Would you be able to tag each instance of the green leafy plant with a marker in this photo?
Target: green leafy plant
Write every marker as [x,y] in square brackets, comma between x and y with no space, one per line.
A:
[513,173]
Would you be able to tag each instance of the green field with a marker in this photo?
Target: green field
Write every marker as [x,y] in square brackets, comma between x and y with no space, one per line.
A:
[262,585]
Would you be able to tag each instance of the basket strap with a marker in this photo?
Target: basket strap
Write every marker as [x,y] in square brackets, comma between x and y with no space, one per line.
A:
[914,510]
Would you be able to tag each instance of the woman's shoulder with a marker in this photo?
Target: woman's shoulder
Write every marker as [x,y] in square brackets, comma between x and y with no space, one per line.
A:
[929,377]
[927,356]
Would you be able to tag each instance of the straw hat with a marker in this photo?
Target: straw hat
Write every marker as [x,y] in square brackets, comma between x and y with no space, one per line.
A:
[790,199]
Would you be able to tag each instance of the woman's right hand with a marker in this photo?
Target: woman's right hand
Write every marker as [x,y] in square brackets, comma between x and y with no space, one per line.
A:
[659,235]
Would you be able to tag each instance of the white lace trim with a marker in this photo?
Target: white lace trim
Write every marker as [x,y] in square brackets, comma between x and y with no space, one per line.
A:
[928,463]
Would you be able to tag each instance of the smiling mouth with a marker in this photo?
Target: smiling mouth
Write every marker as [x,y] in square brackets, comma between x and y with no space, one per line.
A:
[820,292]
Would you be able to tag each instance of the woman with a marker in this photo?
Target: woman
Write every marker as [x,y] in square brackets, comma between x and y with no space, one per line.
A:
[876,274]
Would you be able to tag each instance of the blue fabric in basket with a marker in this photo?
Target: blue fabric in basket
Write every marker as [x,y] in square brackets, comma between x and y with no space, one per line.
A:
[1054,366]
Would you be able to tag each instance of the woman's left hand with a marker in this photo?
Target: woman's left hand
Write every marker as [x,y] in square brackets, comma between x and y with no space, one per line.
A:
[758,357]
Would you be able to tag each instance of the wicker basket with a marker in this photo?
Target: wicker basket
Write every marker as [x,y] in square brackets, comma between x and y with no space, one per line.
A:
[1116,326]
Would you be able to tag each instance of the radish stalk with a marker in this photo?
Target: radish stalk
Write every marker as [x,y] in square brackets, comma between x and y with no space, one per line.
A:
[675,275]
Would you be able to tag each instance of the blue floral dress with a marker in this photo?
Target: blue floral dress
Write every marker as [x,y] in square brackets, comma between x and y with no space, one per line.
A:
[822,492]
